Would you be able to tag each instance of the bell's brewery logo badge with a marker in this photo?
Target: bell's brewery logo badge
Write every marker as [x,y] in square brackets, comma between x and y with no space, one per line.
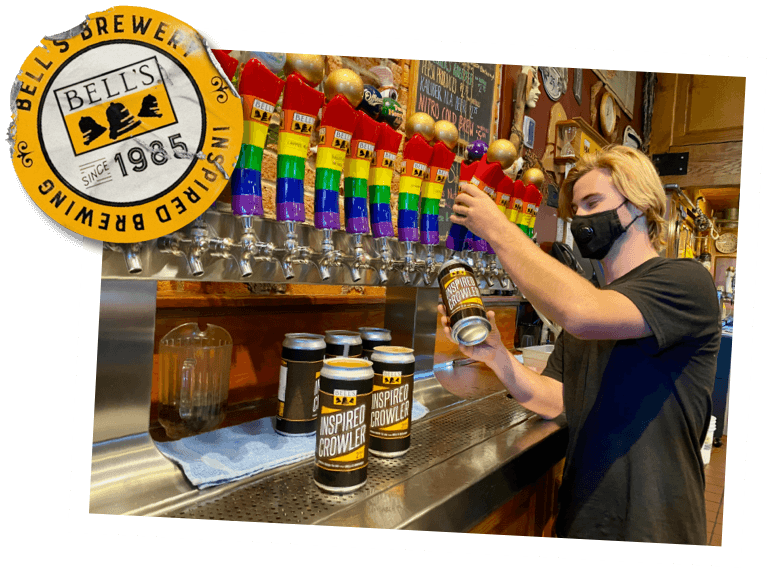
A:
[124,128]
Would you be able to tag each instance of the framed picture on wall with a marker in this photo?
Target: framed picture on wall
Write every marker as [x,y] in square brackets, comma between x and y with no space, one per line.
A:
[622,85]
[722,263]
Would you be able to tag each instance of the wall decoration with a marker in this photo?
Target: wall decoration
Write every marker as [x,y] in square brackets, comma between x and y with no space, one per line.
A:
[726,244]
[529,132]
[555,81]
[593,92]
[556,114]
[632,138]
[578,82]
[607,114]
[622,85]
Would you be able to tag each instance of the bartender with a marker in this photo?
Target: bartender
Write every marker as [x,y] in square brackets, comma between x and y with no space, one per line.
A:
[635,365]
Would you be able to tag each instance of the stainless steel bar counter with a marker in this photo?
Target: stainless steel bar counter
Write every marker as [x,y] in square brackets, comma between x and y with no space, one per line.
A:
[467,458]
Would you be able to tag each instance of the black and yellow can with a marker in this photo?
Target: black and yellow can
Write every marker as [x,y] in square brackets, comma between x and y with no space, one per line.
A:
[343,428]
[373,337]
[298,394]
[343,343]
[392,400]
[463,304]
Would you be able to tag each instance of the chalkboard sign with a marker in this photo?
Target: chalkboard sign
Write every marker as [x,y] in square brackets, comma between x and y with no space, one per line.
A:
[464,94]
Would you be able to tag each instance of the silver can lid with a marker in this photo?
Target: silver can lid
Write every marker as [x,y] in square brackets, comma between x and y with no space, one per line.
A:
[471,331]
[393,354]
[306,341]
[343,337]
[347,368]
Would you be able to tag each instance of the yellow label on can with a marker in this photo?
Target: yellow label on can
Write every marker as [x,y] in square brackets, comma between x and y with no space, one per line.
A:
[126,131]
[460,291]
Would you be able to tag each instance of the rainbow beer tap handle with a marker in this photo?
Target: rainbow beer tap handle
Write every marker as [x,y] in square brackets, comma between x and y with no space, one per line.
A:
[490,173]
[419,129]
[535,177]
[504,193]
[380,181]
[532,197]
[447,136]
[301,104]
[515,204]
[356,170]
[260,90]
[335,132]
[459,238]
[537,203]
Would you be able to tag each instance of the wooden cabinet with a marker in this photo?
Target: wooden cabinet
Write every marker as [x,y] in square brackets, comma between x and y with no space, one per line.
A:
[701,116]
[532,512]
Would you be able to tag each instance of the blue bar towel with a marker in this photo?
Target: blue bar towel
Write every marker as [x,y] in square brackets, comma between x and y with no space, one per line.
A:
[229,454]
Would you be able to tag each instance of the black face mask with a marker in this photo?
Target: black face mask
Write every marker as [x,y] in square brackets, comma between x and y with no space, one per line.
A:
[595,234]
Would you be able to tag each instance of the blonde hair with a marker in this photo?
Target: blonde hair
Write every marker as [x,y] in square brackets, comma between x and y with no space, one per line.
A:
[636,178]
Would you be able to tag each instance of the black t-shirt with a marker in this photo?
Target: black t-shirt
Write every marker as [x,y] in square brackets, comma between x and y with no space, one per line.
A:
[638,412]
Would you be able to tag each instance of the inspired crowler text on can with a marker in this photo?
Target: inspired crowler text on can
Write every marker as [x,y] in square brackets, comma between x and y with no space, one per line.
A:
[298,398]
[463,304]
[392,400]
[343,429]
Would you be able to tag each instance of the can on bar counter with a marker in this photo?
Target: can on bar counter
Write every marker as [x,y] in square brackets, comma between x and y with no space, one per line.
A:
[343,428]
[463,305]
[373,337]
[343,343]
[392,400]
[299,387]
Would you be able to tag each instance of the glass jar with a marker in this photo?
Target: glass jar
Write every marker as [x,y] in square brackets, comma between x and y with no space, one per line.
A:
[193,379]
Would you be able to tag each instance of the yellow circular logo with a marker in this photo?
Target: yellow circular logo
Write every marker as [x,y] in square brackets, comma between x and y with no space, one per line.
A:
[124,129]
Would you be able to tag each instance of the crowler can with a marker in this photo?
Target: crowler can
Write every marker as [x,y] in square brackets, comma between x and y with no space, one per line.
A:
[343,343]
[298,390]
[341,448]
[392,400]
[463,304]
[373,337]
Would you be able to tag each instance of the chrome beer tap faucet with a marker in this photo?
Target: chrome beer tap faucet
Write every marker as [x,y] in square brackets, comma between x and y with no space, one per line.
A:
[294,252]
[408,264]
[385,259]
[361,261]
[430,265]
[330,256]
[131,252]
[191,245]
[251,247]
[480,268]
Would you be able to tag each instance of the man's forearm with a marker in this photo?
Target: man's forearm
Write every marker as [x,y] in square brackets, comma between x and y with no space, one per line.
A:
[540,394]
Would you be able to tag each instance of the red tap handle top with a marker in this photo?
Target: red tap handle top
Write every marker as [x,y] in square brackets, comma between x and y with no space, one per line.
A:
[367,129]
[538,198]
[418,149]
[532,194]
[506,186]
[490,173]
[504,190]
[389,139]
[466,171]
[258,81]
[340,114]
[227,62]
[442,157]
[519,190]
[299,96]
